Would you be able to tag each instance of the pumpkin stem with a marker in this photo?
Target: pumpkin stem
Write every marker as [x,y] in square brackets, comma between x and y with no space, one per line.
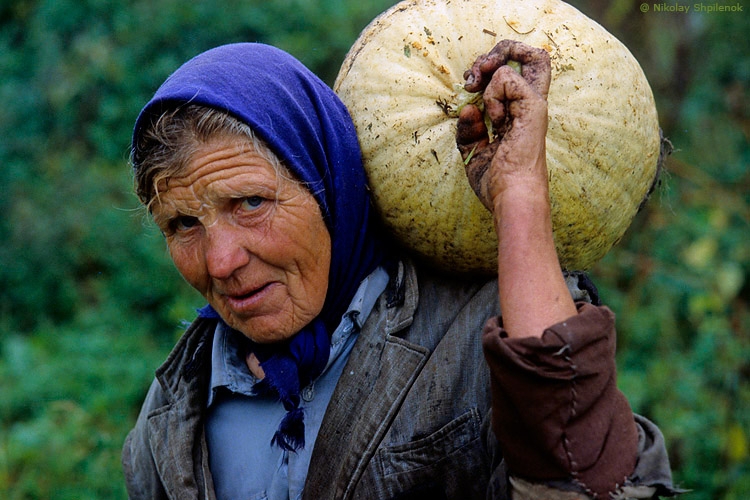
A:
[515,65]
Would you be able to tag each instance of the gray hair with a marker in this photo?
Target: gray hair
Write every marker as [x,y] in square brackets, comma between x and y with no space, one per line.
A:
[167,145]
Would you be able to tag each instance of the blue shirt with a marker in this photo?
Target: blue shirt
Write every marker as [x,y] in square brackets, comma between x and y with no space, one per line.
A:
[240,423]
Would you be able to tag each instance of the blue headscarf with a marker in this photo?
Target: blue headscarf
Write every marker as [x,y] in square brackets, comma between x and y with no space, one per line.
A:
[310,130]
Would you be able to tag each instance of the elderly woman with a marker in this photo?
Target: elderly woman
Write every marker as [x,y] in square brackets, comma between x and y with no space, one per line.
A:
[327,364]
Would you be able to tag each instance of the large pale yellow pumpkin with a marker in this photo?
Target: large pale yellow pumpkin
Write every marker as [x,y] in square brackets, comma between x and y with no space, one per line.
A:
[402,82]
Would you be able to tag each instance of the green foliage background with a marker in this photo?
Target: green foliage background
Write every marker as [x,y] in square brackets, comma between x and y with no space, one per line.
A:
[90,304]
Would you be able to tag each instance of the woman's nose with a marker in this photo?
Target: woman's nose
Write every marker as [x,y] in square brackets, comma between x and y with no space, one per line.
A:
[225,250]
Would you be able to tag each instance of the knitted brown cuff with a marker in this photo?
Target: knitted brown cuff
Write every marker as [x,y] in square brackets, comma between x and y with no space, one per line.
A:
[557,412]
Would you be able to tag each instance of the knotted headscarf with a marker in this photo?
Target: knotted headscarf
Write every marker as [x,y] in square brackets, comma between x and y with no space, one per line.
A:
[310,130]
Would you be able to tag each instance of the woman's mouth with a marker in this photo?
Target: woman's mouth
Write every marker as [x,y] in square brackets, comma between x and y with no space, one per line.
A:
[247,301]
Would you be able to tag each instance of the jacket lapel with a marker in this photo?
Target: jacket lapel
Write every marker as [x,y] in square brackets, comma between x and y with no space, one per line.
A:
[379,373]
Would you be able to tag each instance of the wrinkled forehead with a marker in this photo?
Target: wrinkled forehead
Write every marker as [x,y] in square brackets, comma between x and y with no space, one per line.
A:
[221,170]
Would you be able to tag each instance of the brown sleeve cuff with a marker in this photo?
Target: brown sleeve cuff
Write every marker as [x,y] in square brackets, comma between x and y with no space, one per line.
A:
[557,412]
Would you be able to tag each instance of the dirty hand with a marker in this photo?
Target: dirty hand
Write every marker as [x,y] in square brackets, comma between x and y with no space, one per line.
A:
[517,108]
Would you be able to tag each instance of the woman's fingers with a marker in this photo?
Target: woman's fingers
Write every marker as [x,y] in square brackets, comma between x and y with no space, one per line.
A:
[471,128]
[534,66]
[473,142]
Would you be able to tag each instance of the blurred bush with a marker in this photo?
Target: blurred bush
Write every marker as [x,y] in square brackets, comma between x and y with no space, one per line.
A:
[90,304]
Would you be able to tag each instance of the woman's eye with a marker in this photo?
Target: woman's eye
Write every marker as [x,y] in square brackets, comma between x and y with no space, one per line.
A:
[252,202]
[183,223]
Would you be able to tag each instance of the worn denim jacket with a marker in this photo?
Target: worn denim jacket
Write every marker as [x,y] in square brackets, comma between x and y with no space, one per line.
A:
[409,418]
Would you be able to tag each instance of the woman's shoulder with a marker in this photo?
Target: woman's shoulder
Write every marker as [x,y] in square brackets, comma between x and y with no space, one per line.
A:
[455,290]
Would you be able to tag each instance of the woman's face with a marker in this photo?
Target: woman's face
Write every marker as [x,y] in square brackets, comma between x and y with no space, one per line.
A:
[254,243]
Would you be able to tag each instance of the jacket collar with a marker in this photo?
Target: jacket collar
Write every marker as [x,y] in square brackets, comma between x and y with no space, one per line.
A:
[189,359]
[401,296]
